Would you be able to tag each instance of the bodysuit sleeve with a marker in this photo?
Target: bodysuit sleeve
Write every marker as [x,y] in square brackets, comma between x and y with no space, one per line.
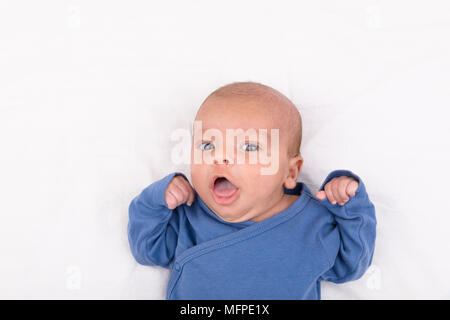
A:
[349,244]
[152,227]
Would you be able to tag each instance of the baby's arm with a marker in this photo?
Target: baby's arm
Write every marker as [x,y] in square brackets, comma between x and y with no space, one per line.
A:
[350,242]
[153,225]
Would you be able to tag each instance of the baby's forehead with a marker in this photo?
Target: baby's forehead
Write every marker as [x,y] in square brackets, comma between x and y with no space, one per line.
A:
[251,120]
[243,111]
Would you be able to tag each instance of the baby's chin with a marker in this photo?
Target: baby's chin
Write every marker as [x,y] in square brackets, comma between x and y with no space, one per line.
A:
[234,213]
[233,218]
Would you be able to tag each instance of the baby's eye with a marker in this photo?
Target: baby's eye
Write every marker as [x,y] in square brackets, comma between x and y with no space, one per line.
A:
[206,146]
[250,147]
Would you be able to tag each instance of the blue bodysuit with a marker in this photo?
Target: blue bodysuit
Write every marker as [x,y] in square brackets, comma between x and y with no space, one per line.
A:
[283,257]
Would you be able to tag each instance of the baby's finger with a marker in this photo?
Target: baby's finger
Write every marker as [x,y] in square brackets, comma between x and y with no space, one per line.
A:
[334,189]
[329,193]
[189,191]
[176,192]
[184,187]
[321,195]
[341,189]
[352,187]
[191,197]
[171,201]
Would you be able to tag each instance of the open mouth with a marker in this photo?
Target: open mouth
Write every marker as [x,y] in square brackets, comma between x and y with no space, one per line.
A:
[224,192]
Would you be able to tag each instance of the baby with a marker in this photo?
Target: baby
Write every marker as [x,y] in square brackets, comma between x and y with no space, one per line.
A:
[247,229]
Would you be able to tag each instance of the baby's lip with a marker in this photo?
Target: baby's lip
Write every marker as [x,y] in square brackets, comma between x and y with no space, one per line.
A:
[215,177]
[222,199]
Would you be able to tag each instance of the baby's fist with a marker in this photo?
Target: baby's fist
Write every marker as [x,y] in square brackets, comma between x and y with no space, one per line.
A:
[338,190]
[179,191]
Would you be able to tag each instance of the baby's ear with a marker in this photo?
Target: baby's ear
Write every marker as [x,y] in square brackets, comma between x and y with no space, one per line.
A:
[295,165]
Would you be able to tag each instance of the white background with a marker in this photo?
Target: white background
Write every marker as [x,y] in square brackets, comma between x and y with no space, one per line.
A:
[90,92]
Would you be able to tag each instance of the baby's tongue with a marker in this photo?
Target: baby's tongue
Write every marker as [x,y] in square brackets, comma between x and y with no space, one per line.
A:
[223,187]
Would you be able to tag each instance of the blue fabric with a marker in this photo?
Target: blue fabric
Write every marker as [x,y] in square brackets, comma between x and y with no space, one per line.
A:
[283,257]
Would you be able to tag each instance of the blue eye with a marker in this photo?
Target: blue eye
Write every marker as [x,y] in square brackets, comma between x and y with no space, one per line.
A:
[250,147]
[206,146]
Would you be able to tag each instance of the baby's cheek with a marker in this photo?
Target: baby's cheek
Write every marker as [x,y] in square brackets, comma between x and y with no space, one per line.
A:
[272,183]
[199,178]
[256,181]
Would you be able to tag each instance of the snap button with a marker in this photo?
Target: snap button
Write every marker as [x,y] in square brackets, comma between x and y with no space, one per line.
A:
[177,266]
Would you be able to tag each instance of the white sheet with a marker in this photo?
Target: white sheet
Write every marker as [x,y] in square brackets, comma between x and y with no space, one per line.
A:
[92,90]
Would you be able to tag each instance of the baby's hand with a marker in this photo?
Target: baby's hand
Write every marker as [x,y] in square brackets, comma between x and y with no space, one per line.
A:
[338,190]
[178,191]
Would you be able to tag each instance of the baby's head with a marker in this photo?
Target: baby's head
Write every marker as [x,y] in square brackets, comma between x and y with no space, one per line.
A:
[246,148]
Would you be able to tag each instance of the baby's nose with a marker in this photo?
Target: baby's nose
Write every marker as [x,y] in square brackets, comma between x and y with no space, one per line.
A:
[224,155]
[224,161]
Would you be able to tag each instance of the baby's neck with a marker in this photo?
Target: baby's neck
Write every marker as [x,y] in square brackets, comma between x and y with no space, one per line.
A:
[286,201]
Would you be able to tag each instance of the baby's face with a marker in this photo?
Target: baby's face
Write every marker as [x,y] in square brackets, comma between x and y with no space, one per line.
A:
[228,179]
